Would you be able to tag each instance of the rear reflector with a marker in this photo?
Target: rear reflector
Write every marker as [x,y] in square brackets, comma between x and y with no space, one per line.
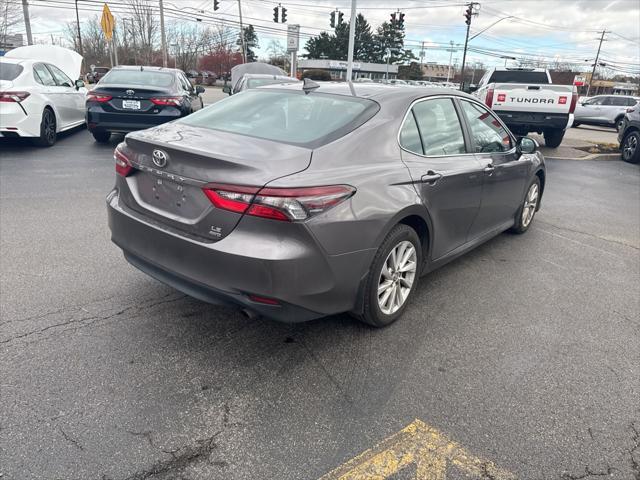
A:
[562,100]
[98,97]
[13,97]
[123,165]
[286,204]
[502,97]
[173,101]
[263,300]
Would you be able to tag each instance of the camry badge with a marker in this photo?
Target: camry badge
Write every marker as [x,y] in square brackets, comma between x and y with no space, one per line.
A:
[160,158]
[130,92]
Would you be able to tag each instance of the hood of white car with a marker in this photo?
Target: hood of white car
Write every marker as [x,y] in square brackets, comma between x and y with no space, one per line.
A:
[68,61]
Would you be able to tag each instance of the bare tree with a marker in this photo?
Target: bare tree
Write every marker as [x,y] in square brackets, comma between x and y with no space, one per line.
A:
[10,16]
[188,42]
[94,44]
[277,54]
[145,29]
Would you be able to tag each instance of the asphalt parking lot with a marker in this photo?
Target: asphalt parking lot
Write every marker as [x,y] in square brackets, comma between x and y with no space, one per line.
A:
[525,352]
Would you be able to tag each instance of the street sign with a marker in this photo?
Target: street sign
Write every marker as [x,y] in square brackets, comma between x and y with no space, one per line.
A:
[293,38]
[107,22]
[579,81]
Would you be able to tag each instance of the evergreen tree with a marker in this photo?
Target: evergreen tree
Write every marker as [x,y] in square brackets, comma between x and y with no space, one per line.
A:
[391,36]
[336,45]
[250,41]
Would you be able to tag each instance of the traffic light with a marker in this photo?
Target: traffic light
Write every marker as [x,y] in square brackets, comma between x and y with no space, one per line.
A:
[340,18]
[332,21]
[401,20]
[283,17]
[393,18]
[216,4]
[467,15]
[275,14]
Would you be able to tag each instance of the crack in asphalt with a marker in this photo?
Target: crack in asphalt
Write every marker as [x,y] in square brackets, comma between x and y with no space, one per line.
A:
[588,473]
[70,439]
[635,449]
[86,321]
[593,235]
[180,458]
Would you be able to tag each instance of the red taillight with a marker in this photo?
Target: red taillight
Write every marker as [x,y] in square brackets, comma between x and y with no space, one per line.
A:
[287,204]
[173,101]
[263,300]
[574,101]
[502,97]
[123,165]
[13,97]
[98,97]
[489,99]
[562,100]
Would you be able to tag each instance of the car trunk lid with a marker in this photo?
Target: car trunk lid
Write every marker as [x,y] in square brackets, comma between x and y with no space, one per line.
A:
[127,99]
[188,158]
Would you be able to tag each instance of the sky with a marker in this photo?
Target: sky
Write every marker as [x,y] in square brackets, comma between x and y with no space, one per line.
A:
[567,30]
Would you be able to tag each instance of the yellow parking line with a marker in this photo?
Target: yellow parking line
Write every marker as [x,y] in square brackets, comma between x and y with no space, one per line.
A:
[429,450]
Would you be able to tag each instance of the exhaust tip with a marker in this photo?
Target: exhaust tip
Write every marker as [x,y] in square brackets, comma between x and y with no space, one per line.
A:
[250,314]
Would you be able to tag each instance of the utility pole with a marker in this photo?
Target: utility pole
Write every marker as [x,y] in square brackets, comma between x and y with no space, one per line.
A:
[595,64]
[163,36]
[421,59]
[450,58]
[352,35]
[242,39]
[27,21]
[79,34]
[469,12]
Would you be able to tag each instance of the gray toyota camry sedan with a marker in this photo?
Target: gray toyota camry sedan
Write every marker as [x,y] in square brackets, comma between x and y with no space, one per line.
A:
[299,201]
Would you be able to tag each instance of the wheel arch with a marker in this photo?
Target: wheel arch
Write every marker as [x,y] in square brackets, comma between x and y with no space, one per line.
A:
[51,107]
[416,217]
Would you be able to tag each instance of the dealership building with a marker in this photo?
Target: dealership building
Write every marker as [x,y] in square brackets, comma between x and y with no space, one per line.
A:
[338,68]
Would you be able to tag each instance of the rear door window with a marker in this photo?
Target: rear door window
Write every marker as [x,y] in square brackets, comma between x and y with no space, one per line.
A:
[43,75]
[439,126]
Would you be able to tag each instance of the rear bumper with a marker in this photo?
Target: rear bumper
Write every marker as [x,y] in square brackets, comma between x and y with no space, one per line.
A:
[294,270]
[535,122]
[14,121]
[101,121]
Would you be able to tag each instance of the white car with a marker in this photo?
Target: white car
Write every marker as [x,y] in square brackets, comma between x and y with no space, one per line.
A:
[38,100]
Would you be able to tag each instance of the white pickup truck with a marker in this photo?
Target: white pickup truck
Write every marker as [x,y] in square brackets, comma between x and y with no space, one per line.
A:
[527,101]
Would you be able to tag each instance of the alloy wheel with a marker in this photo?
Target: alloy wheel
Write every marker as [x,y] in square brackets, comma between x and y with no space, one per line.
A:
[49,126]
[629,147]
[397,277]
[530,204]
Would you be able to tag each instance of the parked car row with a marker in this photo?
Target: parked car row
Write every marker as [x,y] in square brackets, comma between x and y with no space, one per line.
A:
[604,110]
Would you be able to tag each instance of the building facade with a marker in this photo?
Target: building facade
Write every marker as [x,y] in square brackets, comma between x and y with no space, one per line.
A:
[338,69]
[9,42]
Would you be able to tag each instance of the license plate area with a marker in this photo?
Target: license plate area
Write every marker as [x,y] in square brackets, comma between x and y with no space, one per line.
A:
[131,104]
[165,195]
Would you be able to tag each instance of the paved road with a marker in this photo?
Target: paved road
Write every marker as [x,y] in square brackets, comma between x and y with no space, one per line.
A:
[525,351]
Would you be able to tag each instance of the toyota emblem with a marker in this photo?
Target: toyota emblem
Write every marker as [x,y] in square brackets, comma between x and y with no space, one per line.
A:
[160,158]
[130,92]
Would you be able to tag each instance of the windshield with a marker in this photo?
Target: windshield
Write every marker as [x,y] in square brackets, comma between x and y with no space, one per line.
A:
[519,76]
[10,71]
[259,82]
[287,116]
[138,77]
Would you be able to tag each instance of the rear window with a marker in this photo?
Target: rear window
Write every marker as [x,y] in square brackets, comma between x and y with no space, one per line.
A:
[138,77]
[259,82]
[519,76]
[286,116]
[10,71]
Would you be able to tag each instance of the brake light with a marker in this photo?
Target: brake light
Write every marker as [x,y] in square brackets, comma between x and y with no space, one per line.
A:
[98,97]
[574,101]
[13,97]
[263,300]
[489,98]
[502,97]
[285,204]
[172,101]
[123,165]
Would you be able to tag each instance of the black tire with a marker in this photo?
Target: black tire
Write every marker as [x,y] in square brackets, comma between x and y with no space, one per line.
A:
[520,226]
[575,125]
[631,147]
[101,137]
[48,129]
[372,313]
[553,137]
[618,123]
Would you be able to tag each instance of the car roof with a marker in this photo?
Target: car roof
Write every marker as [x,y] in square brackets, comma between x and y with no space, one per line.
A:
[375,90]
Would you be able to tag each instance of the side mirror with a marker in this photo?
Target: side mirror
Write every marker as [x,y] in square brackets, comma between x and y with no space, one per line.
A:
[199,89]
[227,89]
[527,145]
[79,84]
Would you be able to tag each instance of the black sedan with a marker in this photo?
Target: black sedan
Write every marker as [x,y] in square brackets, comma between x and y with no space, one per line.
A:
[135,98]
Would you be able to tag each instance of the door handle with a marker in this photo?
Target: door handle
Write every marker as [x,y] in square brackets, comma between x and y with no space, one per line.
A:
[431,177]
[489,169]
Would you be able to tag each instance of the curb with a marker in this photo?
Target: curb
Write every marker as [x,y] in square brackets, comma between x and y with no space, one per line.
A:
[592,156]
